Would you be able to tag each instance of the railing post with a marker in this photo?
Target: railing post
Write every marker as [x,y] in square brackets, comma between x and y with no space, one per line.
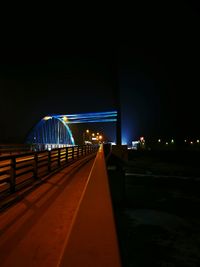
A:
[13,174]
[82,150]
[49,161]
[59,156]
[35,166]
[72,153]
[77,151]
[66,156]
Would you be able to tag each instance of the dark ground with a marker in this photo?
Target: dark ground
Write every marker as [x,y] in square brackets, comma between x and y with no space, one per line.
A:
[156,202]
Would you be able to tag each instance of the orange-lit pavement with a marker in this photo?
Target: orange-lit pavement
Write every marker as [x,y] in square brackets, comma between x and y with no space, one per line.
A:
[34,230]
[93,241]
[67,221]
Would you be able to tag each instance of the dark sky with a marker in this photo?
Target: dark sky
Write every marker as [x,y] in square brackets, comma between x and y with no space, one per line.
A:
[153,53]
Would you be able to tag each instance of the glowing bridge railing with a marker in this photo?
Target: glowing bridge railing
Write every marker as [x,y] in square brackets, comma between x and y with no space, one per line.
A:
[21,170]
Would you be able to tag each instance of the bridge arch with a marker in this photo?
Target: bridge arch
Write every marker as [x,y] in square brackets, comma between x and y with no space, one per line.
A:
[54,130]
[51,130]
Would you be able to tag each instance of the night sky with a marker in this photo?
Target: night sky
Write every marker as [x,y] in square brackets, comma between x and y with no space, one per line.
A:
[153,55]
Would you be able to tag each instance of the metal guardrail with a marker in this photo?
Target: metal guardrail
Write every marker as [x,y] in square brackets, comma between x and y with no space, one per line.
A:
[14,149]
[17,169]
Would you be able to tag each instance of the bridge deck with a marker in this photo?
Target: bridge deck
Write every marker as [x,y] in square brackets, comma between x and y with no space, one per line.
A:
[59,223]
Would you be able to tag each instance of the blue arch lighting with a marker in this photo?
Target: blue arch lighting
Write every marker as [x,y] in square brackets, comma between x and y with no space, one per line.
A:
[109,116]
[54,129]
[51,130]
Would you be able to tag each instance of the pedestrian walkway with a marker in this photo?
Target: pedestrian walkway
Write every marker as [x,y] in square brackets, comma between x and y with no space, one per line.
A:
[67,221]
[33,231]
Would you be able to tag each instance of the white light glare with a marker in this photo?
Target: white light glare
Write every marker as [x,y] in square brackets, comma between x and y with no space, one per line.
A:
[47,118]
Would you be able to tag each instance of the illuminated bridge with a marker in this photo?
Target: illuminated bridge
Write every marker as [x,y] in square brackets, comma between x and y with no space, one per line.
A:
[54,130]
[56,208]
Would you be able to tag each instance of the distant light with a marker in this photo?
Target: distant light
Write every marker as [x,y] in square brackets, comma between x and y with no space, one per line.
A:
[97,133]
[191,143]
[185,140]
[100,137]
[141,138]
[65,118]
[94,138]
[93,134]
[88,143]
[87,131]
[166,143]
[135,143]
[172,141]
[47,118]
[198,141]
[159,140]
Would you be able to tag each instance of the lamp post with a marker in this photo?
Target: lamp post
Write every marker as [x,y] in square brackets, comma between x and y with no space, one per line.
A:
[85,135]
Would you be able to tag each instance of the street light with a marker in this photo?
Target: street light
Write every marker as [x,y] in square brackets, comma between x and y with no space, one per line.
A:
[86,135]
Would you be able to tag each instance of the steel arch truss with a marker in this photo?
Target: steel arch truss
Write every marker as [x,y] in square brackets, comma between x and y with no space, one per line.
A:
[54,129]
[109,116]
[51,130]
